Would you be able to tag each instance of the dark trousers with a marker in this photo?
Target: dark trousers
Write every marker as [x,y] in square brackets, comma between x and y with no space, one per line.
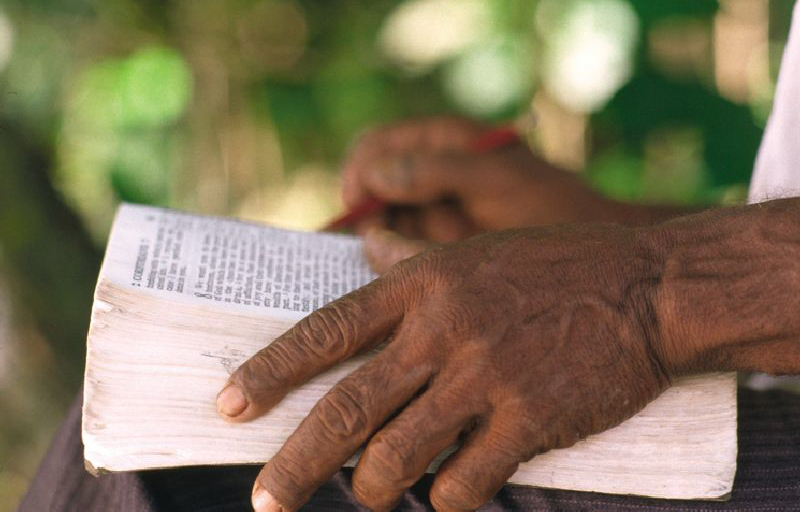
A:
[767,478]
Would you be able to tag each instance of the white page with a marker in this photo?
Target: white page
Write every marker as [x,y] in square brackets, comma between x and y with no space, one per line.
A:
[242,265]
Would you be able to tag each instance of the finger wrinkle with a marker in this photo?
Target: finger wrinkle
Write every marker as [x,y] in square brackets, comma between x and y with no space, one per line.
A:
[389,458]
[265,373]
[449,492]
[319,337]
[342,415]
[287,481]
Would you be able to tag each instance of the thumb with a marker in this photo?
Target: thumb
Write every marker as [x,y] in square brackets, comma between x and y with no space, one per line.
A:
[421,178]
[383,248]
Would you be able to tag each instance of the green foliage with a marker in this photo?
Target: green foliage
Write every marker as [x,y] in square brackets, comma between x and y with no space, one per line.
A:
[127,107]
[651,102]
[154,87]
[139,171]
[651,11]
[150,88]
[618,174]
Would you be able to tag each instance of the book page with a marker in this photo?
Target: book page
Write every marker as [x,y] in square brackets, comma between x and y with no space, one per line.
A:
[231,263]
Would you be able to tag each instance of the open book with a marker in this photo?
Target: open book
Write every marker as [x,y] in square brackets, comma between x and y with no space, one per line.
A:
[183,299]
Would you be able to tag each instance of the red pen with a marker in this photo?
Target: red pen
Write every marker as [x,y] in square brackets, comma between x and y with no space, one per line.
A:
[490,140]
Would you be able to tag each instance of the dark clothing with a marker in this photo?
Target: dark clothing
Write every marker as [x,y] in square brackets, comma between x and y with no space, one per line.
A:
[768,477]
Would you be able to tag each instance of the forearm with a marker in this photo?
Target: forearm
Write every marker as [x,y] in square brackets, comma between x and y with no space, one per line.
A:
[578,202]
[729,292]
[634,214]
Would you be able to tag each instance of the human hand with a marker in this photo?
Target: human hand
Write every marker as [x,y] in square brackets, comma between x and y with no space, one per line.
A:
[510,343]
[442,191]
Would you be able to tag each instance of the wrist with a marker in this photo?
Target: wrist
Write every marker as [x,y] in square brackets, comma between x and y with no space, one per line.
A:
[635,214]
[728,291]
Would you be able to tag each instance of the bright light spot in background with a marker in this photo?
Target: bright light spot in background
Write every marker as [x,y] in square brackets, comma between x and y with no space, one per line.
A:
[741,29]
[156,85]
[306,199]
[151,87]
[763,87]
[6,40]
[490,78]
[114,136]
[421,33]
[589,50]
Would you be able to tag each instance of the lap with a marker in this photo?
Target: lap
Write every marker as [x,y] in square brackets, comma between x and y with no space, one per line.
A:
[767,477]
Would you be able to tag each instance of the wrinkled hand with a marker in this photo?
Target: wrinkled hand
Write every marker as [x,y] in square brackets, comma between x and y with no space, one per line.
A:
[510,344]
[441,191]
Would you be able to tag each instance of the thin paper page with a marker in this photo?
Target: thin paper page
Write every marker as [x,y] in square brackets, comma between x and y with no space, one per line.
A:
[231,263]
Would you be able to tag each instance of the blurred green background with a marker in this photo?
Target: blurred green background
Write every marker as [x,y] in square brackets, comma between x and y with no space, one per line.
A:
[246,107]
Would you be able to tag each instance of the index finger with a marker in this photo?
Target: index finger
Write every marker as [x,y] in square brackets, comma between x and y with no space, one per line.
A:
[347,326]
[430,135]
[338,424]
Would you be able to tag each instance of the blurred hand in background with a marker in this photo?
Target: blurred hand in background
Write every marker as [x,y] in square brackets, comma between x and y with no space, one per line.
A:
[441,191]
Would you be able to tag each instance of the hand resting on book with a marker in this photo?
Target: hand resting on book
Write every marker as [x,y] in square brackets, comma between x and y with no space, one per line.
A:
[516,342]
[512,343]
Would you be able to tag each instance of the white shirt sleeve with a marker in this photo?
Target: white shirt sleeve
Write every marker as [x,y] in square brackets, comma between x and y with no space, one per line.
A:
[777,166]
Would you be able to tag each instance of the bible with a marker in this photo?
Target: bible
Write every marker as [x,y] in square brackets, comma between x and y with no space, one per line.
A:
[183,299]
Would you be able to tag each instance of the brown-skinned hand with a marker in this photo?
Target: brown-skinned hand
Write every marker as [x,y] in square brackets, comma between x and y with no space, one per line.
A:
[509,344]
[439,190]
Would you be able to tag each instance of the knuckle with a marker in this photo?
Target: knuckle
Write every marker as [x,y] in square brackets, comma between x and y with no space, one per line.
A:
[284,477]
[330,332]
[403,284]
[448,318]
[519,439]
[268,368]
[426,268]
[341,414]
[454,317]
[512,447]
[391,457]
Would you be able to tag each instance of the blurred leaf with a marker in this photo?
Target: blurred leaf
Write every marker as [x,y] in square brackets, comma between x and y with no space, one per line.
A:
[513,16]
[350,102]
[650,101]
[155,87]
[150,88]
[97,101]
[291,107]
[617,174]
[140,170]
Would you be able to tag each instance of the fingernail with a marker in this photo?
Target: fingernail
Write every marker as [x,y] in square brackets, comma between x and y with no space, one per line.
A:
[263,501]
[231,401]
